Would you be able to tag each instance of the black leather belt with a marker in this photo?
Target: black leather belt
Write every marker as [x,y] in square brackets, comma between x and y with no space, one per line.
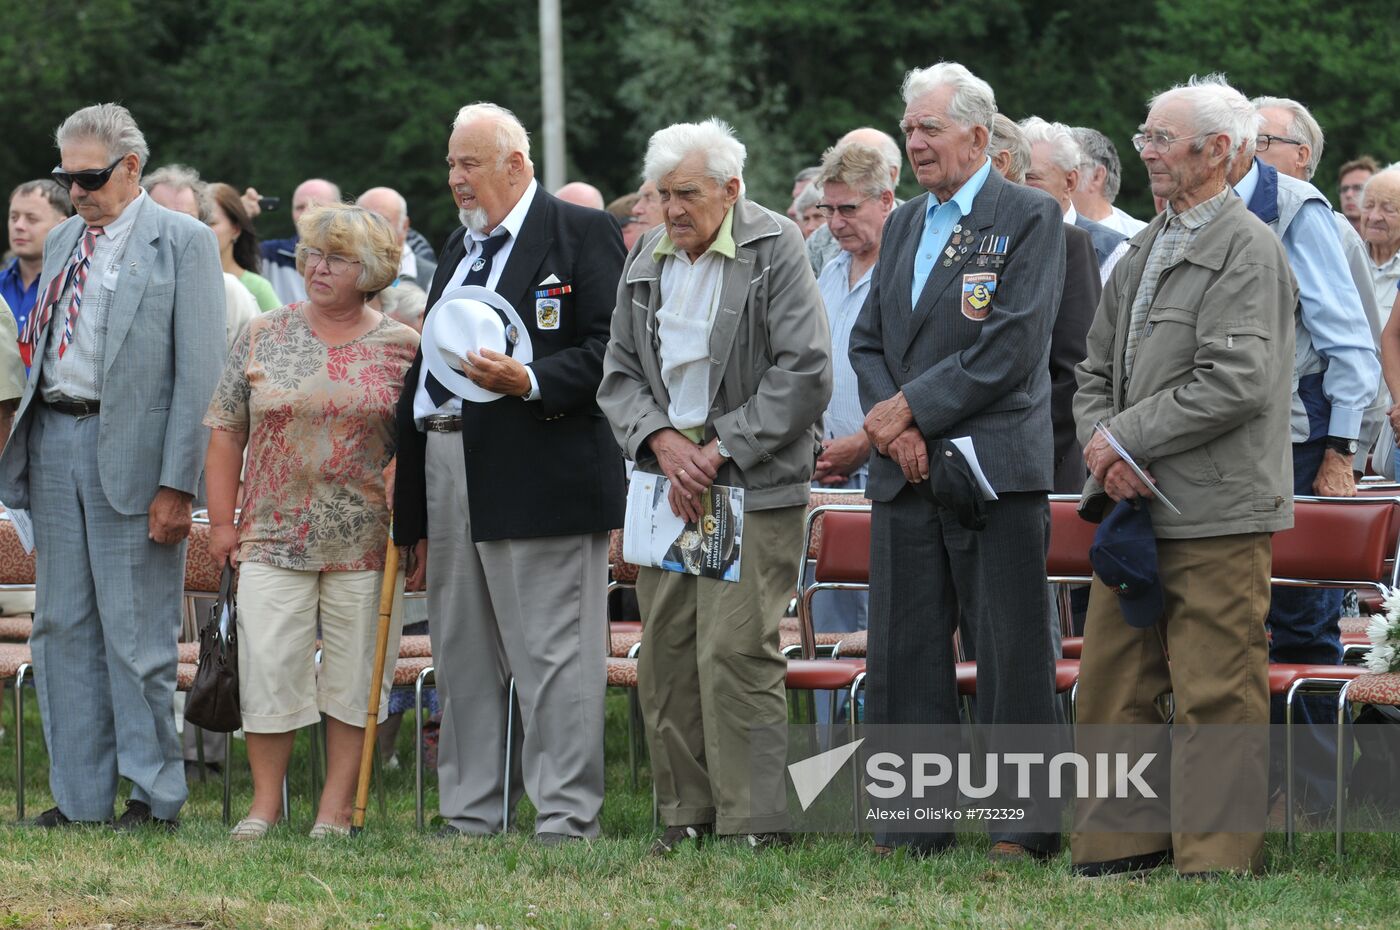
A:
[75,408]
[442,423]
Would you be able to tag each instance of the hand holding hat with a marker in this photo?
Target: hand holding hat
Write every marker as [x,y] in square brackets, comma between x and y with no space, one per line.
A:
[476,345]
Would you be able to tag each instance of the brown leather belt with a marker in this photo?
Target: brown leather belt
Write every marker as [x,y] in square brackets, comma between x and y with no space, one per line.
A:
[442,423]
[75,408]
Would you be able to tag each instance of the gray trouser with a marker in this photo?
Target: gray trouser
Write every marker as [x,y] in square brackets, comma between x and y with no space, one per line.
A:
[532,609]
[106,620]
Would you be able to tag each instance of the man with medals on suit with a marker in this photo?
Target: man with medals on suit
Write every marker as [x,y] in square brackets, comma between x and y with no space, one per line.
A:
[953,341]
[127,342]
[508,483]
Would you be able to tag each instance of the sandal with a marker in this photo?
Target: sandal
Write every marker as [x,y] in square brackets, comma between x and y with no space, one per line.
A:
[250,828]
[321,830]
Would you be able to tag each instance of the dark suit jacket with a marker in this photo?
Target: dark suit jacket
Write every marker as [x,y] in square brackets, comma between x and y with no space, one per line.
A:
[547,467]
[1105,239]
[988,379]
[1067,349]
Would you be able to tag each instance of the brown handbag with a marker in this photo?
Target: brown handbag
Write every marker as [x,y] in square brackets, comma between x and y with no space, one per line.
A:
[212,703]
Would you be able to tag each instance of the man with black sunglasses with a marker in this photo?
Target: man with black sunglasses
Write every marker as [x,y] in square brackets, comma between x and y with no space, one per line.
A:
[126,345]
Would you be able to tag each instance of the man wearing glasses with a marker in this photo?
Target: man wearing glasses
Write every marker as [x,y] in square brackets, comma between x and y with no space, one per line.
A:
[127,341]
[1190,362]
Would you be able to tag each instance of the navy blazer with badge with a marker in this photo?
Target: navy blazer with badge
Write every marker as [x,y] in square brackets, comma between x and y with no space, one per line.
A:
[548,467]
[987,378]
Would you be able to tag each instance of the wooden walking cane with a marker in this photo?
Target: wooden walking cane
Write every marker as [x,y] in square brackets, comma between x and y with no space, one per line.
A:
[381,645]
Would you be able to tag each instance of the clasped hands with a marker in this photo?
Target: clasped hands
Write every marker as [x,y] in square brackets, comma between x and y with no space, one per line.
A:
[1119,481]
[691,469]
[891,430]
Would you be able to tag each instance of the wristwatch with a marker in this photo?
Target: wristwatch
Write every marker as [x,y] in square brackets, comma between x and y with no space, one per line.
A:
[719,447]
[1342,446]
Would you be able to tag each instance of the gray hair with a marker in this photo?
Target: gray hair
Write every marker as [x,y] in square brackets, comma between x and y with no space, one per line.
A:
[860,167]
[108,123]
[973,103]
[807,174]
[182,177]
[510,132]
[56,196]
[1064,151]
[724,153]
[1008,137]
[1098,151]
[1216,107]
[811,196]
[883,142]
[1302,126]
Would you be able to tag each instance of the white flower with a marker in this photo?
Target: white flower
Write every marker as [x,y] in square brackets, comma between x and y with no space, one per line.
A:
[1392,601]
[1380,658]
[1378,629]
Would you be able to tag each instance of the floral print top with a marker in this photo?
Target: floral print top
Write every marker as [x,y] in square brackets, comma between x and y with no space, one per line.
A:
[321,430]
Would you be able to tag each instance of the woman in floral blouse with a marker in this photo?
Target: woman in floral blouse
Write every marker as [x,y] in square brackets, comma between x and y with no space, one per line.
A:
[310,391]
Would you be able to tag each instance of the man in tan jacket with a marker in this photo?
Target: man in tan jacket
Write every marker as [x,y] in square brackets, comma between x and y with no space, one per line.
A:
[1189,364]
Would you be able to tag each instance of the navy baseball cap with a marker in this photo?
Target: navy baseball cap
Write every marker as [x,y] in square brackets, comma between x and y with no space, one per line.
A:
[1124,556]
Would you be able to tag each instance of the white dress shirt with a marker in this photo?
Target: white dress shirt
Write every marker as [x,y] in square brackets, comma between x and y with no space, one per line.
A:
[423,405]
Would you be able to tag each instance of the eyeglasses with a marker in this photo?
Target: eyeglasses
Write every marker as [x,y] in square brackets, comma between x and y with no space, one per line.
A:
[1265,140]
[89,180]
[336,264]
[1162,141]
[847,210]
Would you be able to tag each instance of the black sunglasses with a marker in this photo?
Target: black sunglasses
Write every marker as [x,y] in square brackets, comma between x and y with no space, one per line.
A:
[89,180]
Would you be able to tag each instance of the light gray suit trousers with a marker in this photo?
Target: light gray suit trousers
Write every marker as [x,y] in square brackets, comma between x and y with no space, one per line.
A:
[532,609]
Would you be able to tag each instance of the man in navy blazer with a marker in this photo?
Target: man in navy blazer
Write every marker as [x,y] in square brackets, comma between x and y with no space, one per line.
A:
[127,345]
[507,503]
[954,341]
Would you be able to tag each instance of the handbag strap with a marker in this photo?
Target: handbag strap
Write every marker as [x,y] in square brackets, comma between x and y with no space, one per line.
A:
[225,589]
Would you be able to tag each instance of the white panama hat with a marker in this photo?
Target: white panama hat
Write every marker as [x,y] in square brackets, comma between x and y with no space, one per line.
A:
[469,319]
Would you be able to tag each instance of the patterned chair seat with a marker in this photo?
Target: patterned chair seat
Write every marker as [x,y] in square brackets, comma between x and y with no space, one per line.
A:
[852,645]
[622,643]
[184,676]
[415,647]
[1376,689]
[622,673]
[16,629]
[406,670]
[1354,624]
[12,656]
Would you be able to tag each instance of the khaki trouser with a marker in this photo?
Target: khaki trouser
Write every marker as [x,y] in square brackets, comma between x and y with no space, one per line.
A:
[1216,598]
[711,683]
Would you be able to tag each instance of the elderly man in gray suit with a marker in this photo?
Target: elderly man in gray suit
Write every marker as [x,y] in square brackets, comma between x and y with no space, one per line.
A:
[954,341]
[128,340]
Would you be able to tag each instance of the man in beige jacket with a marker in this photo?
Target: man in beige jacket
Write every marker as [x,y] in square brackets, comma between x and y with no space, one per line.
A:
[1189,364]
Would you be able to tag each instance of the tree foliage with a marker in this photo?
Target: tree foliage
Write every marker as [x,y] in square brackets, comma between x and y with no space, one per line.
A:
[267,93]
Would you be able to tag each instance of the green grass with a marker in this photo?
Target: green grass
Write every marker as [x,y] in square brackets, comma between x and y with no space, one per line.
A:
[391,876]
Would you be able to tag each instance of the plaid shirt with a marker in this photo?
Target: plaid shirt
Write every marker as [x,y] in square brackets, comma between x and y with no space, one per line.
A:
[1167,249]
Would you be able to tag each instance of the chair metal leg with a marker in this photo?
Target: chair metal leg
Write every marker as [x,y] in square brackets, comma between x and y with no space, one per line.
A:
[632,734]
[510,745]
[21,675]
[418,746]
[287,801]
[228,777]
[1342,706]
[199,751]
[1288,786]
[379,783]
[856,687]
[316,739]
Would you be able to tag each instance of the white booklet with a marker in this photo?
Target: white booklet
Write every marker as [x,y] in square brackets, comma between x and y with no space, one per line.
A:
[964,444]
[1142,475]
[24,528]
[654,536]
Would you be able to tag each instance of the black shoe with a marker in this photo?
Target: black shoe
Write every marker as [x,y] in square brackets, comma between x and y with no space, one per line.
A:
[757,841]
[674,837]
[558,839]
[54,818]
[1126,867]
[137,815]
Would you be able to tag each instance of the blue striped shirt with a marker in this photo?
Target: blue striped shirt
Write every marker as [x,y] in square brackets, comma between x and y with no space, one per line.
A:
[843,414]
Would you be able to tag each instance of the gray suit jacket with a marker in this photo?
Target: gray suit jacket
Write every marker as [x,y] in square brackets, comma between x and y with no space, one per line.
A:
[989,378]
[162,360]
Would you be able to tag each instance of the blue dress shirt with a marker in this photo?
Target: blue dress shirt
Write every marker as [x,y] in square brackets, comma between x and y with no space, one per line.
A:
[844,415]
[20,298]
[939,223]
[1331,310]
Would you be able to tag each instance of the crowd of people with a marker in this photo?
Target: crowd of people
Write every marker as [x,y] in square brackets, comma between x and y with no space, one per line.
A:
[1233,345]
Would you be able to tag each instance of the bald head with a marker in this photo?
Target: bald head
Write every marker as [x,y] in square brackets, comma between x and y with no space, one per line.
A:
[314,192]
[389,204]
[585,195]
[883,143]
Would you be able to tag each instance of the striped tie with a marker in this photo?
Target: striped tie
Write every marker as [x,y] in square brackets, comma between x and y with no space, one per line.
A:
[77,273]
